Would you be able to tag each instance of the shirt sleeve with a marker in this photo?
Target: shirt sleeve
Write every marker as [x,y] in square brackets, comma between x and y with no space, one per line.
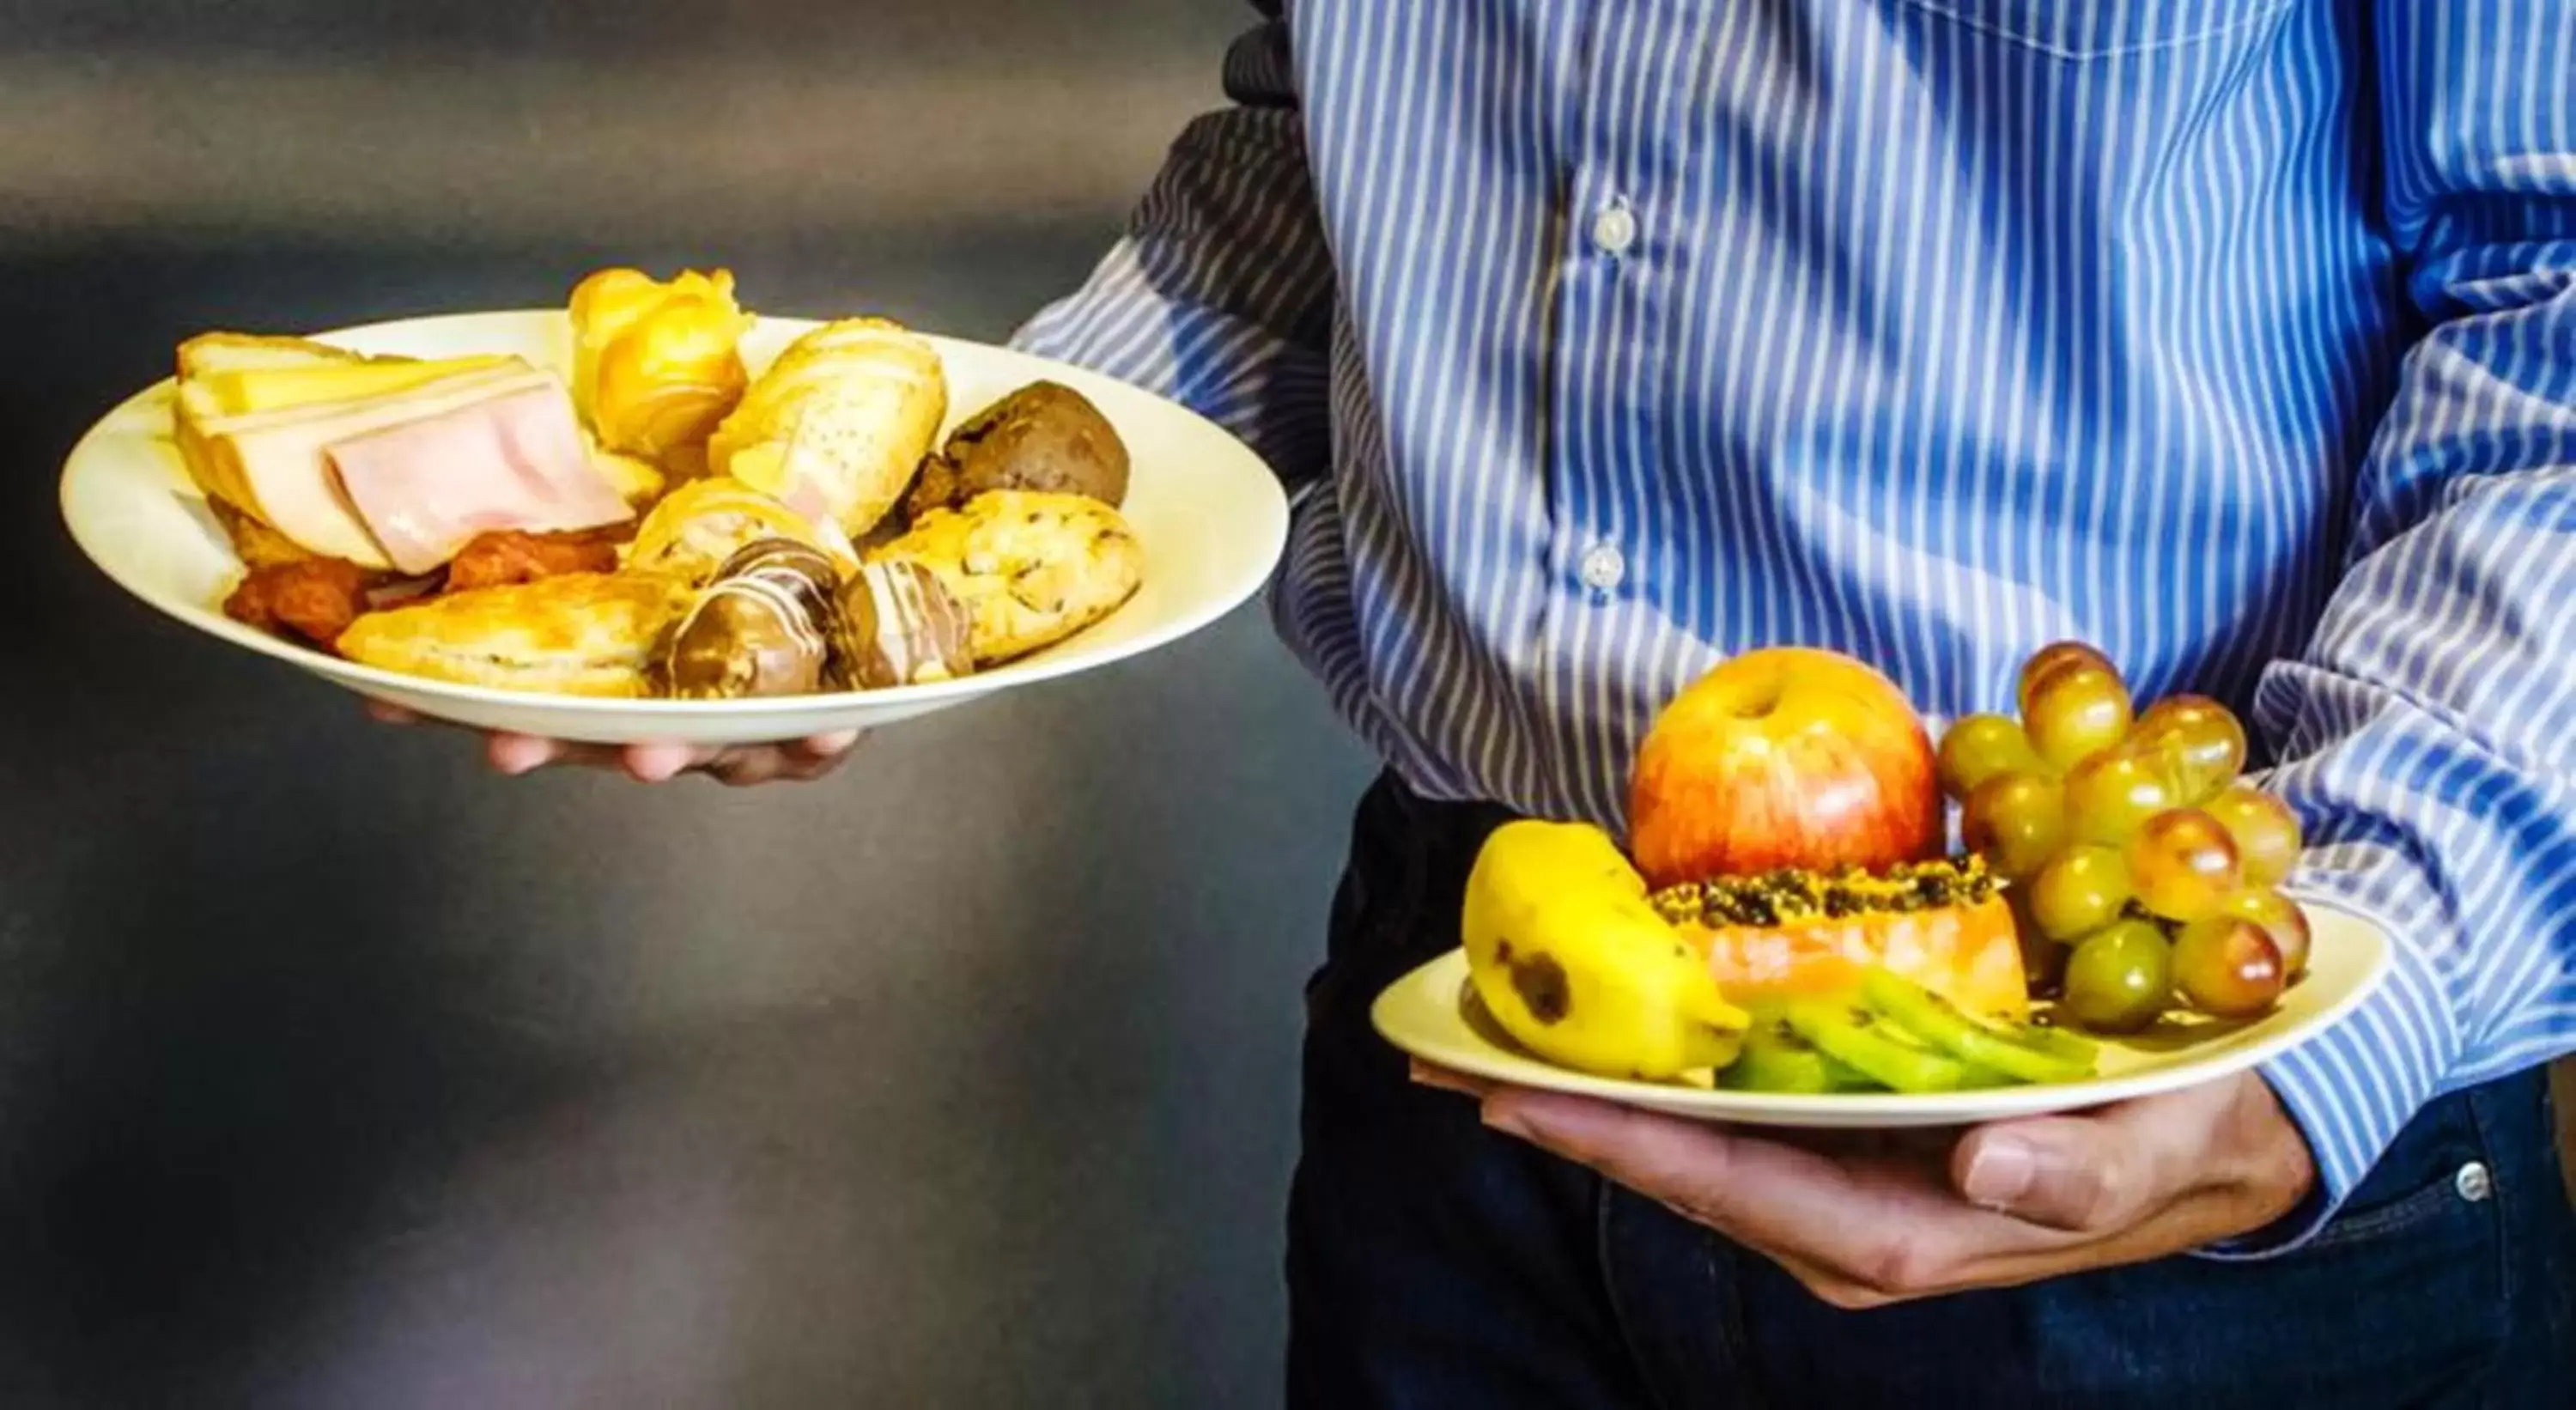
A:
[2427,736]
[1219,293]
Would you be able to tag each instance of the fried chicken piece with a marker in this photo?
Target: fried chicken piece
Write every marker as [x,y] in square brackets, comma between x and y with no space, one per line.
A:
[504,557]
[317,598]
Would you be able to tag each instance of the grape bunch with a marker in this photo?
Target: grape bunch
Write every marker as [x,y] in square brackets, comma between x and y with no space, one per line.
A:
[2140,865]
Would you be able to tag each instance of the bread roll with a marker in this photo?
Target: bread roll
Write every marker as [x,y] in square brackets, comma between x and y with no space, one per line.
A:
[837,426]
[656,366]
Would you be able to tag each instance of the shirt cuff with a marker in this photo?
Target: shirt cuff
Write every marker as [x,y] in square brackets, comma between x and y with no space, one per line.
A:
[2352,1087]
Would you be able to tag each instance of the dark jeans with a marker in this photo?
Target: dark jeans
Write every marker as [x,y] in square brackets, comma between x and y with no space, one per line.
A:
[1434,1263]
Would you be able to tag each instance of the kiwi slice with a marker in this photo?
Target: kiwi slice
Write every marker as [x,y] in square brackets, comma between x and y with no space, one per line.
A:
[1884,1052]
[2059,1040]
[1945,1026]
[1775,1059]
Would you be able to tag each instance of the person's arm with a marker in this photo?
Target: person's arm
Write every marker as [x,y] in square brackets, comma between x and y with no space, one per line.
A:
[1220,292]
[2428,733]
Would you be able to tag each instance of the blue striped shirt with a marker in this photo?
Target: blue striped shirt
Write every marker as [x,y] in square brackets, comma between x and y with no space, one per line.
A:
[1600,339]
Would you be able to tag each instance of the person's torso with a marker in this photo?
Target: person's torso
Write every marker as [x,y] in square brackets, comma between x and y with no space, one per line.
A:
[1925,330]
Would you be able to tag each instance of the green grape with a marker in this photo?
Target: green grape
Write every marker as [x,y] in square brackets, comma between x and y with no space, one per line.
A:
[2281,919]
[1979,747]
[2076,709]
[2119,979]
[2227,966]
[2111,795]
[2204,740]
[2183,864]
[2048,658]
[2081,890]
[2016,821]
[2265,831]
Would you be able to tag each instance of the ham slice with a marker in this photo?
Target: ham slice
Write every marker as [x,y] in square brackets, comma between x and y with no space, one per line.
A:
[272,465]
[427,486]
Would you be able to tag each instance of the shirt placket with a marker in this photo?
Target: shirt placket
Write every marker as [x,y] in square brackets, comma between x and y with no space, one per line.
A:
[1621,192]
[1623,147]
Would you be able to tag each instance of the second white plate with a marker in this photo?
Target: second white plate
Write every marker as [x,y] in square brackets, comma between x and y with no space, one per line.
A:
[1433,1014]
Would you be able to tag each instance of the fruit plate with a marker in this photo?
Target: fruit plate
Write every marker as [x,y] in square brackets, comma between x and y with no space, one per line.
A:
[1209,514]
[1433,1014]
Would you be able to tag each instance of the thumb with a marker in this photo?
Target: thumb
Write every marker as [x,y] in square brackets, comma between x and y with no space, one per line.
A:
[2082,1174]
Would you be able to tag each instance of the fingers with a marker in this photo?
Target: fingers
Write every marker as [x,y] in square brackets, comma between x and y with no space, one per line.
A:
[1841,1213]
[658,762]
[1857,1230]
[2122,1165]
[798,761]
[2094,1173]
[1866,1225]
[2077,1174]
[1432,1075]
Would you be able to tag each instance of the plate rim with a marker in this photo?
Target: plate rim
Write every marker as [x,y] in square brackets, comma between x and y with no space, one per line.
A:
[1240,587]
[1885,1110]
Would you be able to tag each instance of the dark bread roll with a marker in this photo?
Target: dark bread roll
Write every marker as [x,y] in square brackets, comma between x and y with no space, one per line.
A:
[1045,437]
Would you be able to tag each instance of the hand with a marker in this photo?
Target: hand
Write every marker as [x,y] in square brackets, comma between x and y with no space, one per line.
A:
[1875,1221]
[739,766]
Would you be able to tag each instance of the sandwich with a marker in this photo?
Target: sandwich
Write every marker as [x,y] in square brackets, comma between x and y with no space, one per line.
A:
[389,464]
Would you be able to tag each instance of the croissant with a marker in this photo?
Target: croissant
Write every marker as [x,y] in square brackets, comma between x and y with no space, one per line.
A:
[704,522]
[656,366]
[837,426]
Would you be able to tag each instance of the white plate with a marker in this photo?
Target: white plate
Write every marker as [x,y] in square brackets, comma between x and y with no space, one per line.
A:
[1432,1013]
[1210,515]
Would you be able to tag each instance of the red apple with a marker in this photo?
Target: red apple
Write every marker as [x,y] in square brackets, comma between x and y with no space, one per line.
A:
[1784,757]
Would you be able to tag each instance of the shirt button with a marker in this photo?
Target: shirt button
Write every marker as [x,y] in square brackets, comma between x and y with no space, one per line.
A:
[2473,1182]
[1614,229]
[1603,567]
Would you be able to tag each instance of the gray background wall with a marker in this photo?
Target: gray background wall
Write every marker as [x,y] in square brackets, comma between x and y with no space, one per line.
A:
[335,1071]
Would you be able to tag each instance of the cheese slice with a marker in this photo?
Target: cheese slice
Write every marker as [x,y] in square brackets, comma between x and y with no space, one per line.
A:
[247,391]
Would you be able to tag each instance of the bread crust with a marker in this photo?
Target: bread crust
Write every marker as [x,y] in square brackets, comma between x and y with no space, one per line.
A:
[590,634]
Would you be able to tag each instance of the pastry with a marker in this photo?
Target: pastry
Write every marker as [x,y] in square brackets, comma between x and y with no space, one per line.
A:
[1031,568]
[698,526]
[573,634]
[1045,436]
[899,625]
[837,426]
[656,366]
[744,637]
[764,625]
[800,569]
